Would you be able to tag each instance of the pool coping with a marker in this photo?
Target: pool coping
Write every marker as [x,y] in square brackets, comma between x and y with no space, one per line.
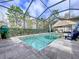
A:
[18,40]
[17,37]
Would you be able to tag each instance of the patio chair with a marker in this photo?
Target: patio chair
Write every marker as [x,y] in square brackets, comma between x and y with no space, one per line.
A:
[73,35]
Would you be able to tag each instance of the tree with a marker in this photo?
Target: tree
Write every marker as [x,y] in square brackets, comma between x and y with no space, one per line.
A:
[25,16]
[15,14]
[67,15]
[53,19]
[39,23]
[55,15]
[44,23]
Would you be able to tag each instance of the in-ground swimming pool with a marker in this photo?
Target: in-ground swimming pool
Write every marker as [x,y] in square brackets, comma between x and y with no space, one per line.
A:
[40,41]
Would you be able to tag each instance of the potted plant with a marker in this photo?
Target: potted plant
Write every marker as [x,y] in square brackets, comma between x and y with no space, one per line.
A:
[4,31]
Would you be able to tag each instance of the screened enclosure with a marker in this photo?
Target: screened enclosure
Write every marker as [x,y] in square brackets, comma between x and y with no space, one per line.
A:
[35,16]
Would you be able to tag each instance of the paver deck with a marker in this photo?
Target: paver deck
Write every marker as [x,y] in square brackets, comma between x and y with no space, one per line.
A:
[11,50]
[60,49]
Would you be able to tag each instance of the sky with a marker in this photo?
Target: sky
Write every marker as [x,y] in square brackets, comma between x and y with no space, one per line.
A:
[37,7]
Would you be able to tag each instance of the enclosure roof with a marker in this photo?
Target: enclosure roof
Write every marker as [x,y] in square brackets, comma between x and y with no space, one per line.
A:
[43,8]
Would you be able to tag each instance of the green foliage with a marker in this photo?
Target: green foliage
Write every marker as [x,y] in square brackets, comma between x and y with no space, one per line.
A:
[15,14]
[15,9]
[27,14]
[20,31]
[30,23]
[56,12]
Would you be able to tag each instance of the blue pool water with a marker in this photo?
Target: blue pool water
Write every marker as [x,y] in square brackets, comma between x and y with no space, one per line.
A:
[39,42]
